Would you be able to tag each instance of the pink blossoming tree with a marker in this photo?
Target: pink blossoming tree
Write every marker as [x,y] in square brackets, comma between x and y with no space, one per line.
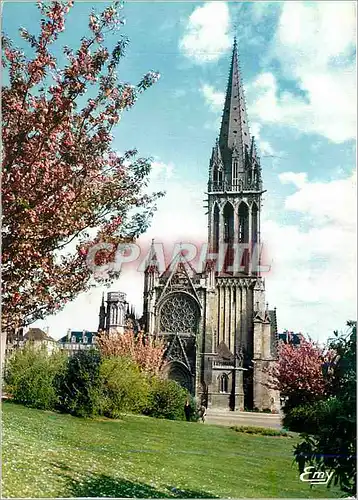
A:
[300,374]
[147,352]
[63,186]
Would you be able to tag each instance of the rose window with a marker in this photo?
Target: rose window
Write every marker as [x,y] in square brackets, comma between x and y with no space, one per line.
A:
[179,313]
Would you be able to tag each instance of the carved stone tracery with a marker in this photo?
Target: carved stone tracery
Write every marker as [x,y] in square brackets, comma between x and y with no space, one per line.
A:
[179,313]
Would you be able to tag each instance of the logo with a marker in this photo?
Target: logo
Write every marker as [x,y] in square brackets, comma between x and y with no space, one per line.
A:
[312,476]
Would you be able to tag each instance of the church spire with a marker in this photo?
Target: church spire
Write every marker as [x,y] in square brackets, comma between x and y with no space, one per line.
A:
[152,261]
[234,131]
[102,315]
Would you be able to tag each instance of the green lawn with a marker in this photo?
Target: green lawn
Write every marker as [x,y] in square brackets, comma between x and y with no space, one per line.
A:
[50,455]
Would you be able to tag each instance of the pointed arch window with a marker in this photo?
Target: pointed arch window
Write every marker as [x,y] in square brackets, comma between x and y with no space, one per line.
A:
[228,223]
[243,223]
[114,314]
[235,172]
[254,219]
[216,233]
[224,383]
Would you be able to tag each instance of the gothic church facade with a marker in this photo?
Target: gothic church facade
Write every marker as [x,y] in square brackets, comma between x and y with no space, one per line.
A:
[220,335]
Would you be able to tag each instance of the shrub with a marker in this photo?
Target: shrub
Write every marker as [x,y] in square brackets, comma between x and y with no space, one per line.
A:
[30,377]
[166,400]
[263,431]
[125,387]
[80,391]
[300,419]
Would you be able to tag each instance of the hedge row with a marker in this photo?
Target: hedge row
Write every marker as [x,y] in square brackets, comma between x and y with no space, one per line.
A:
[87,385]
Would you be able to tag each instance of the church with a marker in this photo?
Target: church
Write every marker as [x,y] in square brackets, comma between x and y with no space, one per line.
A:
[221,337]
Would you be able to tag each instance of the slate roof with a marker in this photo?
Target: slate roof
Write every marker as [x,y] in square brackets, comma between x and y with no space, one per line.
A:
[290,338]
[79,337]
[37,334]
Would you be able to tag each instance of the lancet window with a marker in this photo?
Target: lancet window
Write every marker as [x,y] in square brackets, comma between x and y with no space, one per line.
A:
[216,220]
[224,383]
[243,223]
[228,223]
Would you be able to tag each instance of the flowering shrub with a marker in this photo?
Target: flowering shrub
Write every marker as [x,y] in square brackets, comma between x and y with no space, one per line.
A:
[299,373]
[145,351]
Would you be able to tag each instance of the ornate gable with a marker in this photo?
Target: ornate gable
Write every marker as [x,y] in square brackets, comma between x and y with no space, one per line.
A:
[180,276]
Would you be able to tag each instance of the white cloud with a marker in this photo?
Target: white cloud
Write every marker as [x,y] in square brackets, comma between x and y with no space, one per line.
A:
[297,179]
[331,202]
[314,44]
[161,171]
[213,98]
[266,149]
[206,36]
[313,277]
[260,10]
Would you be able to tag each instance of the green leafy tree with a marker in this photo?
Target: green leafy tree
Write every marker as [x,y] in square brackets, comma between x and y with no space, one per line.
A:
[166,399]
[125,387]
[79,387]
[30,376]
[330,441]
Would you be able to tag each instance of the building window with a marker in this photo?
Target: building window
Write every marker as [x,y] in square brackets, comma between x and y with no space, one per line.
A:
[224,383]
[235,172]
[243,223]
[254,229]
[114,314]
[73,339]
[228,223]
[216,228]
[179,313]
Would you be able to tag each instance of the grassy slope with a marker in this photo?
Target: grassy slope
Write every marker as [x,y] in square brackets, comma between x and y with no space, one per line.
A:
[51,455]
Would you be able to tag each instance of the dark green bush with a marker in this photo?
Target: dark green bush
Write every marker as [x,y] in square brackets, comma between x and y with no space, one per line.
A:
[79,387]
[263,431]
[166,400]
[30,376]
[125,387]
[299,419]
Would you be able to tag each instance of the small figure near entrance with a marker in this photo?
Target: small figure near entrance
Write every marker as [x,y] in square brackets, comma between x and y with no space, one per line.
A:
[187,410]
[202,413]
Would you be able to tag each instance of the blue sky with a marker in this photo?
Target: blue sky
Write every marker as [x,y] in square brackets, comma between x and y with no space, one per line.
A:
[299,73]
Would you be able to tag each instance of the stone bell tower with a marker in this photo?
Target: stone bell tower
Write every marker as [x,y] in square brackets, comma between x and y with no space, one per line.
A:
[240,331]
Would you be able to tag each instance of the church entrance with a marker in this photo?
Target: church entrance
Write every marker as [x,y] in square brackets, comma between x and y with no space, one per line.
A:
[179,373]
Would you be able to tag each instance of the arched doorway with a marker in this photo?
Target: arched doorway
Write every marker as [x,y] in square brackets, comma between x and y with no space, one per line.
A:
[177,371]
